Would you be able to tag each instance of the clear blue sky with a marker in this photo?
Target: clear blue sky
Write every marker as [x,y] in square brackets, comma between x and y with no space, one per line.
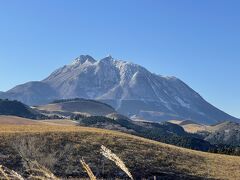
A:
[197,41]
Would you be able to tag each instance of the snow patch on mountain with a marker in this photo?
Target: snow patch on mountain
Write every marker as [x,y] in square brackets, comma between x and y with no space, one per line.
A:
[130,88]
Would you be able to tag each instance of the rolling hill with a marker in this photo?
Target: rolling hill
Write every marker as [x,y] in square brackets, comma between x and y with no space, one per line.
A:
[163,132]
[226,133]
[14,120]
[16,108]
[190,126]
[85,111]
[69,107]
[60,150]
[91,113]
[224,136]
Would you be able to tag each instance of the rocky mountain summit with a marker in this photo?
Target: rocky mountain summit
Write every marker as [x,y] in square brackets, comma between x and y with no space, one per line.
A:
[131,89]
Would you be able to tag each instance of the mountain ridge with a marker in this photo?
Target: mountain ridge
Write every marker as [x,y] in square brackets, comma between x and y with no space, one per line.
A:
[130,88]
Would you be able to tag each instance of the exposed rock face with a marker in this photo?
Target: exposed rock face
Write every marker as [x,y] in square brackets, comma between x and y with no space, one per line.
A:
[130,88]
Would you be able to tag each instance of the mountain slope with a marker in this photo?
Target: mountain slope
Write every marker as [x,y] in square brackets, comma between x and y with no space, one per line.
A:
[227,133]
[60,149]
[129,88]
[163,132]
[31,93]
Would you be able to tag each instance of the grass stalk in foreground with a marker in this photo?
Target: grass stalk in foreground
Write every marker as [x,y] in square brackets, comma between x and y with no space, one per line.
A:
[9,174]
[3,173]
[88,170]
[113,157]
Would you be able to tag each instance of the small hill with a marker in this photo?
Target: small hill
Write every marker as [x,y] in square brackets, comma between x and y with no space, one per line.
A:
[175,121]
[226,125]
[227,133]
[163,132]
[69,107]
[60,150]
[190,126]
[224,137]
[186,122]
[16,108]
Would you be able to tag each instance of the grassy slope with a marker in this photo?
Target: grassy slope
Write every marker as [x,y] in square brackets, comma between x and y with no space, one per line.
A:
[190,127]
[78,106]
[14,120]
[143,157]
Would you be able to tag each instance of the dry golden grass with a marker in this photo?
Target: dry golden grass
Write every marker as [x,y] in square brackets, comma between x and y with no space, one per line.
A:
[3,173]
[50,107]
[7,174]
[37,171]
[191,128]
[175,121]
[40,172]
[135,151]
[13,120]
[113,157]
[88,170]
[59,122]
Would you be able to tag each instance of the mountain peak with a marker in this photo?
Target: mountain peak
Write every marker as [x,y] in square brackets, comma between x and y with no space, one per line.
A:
[108,58]
[128,87]
[83,58]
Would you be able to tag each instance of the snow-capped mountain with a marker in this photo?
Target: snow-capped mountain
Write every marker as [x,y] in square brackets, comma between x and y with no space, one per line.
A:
[130,88]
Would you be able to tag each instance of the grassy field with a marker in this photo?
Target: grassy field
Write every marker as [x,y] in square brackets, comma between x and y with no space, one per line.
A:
[191,127]
[60,147]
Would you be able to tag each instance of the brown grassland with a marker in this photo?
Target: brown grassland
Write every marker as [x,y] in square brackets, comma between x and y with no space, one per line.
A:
[191,127]
[60,148]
